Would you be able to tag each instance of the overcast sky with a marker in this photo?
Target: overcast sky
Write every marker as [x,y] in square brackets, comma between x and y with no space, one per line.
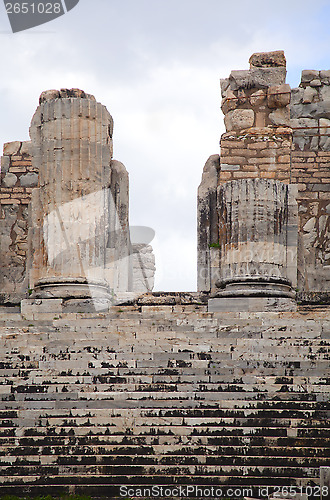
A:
[156,65]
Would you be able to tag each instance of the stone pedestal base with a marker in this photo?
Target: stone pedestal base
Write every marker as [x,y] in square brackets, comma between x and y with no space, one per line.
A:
[67,288]
[251,304]
[256,287]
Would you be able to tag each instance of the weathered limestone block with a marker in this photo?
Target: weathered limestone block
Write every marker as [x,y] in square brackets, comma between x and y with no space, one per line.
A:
[29,180]
[258,98]
[79,243]
[309,75]
[11,148]
[239,119]
[310,95]
[9,180]
[279,96]
[280,117]
[13,237]
[325,482]
[268,59]
[324,142]
[297,96]
[14,200]
[310,112]
[118,264]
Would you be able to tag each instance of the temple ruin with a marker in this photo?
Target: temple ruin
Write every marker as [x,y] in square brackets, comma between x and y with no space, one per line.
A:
[109,389]
[75,242]
[263,204]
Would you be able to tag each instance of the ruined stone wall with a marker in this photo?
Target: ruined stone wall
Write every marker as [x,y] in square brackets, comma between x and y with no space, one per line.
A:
[310,170]
[76,226]
[17,180]
[162,393]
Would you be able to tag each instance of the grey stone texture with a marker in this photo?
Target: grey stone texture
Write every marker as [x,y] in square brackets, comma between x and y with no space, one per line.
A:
[311,101]
[14,201]
[12,148]
[239,119]
[143,268]
[275,59]
[225,387]
[79,233]
[29,180]
[159,394]
[72,148]
[9,180]
[325,482]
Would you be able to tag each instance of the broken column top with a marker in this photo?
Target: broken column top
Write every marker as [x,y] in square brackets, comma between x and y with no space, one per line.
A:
[50,95]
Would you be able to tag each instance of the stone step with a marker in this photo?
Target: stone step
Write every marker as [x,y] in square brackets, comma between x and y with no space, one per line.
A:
[114,423]
[183,430]
[165,396]
[32,382]
[30,371]
[161,488]
[153,391]
[230,408]
[206,439]
[163,460]
[123,451]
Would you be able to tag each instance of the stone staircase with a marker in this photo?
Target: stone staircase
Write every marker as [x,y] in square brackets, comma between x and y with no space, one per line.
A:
[163,395]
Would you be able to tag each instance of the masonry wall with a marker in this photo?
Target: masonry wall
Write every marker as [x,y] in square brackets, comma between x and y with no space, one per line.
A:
[18,177]
[280,134]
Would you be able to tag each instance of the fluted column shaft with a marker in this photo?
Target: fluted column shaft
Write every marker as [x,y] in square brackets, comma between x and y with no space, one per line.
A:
[72,143]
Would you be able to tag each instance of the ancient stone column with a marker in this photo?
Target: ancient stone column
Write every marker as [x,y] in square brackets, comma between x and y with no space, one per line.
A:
[247,209]
[71,135]
[257,238]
